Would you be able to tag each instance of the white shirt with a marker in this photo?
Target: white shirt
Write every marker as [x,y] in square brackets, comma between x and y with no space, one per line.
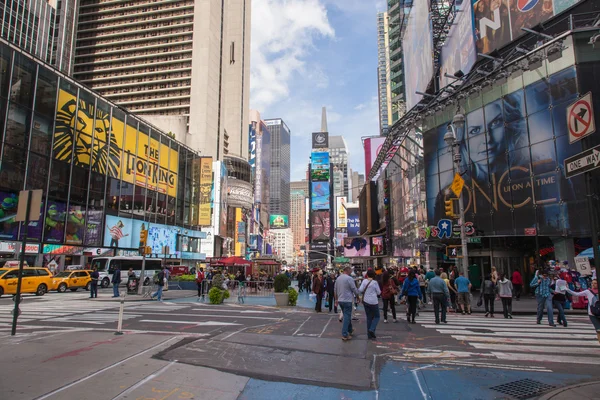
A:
[372,291]
[587,293]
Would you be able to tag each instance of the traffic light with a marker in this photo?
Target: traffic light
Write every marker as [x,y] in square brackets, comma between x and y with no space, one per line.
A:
[143,237]
[449,208]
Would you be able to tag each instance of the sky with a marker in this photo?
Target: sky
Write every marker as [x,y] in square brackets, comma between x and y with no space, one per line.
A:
[307,54]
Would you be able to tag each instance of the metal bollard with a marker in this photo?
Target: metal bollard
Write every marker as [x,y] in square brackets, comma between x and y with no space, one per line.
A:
[120,322]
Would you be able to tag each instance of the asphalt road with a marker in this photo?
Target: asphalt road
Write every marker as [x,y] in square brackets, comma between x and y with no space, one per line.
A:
[298,347]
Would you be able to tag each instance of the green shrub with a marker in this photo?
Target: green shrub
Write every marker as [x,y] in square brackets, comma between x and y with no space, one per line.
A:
[281,283]
[184,278]
[225,294]
[216,295]
[292,296]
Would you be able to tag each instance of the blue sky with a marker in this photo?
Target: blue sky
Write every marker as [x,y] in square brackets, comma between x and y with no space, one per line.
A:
[312,53]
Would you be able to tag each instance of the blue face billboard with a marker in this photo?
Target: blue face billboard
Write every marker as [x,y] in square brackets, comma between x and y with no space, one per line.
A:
[512,157]
[320,196]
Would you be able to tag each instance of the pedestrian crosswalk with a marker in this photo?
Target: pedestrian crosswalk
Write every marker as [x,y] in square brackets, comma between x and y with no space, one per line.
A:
[520,338]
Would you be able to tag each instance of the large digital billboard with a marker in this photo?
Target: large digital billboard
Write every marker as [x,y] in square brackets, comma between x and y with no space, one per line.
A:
[458,52]
[87,136]
[321,226]
[372,146]
[320,195]
[497,22]
[353,221]
[319,166]
[278,221]
[357,247]
[418,52]
[341,213]
[512,157]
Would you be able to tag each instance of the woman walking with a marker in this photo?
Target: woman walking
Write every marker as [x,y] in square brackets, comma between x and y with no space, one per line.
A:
[370,290]
[318,290]
[388,292]
[504,288]
[559,299]
[412,291]
[423,285]
[592,298]
[489,293]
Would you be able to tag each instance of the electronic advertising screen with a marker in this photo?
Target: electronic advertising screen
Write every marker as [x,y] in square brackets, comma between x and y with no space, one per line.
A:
[512,151]
[320,196]
[319,166]
[418,52]
[353,221]
[377,246]
[357,247]
[278,221]
[320,226]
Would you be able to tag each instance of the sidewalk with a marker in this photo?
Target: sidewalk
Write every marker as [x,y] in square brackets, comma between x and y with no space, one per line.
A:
[581,391]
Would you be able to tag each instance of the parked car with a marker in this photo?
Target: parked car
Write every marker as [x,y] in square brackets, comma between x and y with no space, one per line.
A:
[72,280]
[34,280]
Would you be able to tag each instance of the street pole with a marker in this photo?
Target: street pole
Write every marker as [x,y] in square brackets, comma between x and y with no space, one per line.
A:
[16,310]
[593,222]
[463,235]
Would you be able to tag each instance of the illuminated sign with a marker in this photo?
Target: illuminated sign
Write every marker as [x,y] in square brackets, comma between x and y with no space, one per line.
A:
[206,184]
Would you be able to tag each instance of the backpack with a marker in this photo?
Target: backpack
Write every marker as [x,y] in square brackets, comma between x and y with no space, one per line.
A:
[595,306]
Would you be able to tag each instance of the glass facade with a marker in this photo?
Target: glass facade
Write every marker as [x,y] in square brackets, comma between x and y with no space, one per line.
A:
[280,167]
[93,161]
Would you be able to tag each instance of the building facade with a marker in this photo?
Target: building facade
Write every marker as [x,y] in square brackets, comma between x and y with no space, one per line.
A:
[99,167]
[42,28]
[397,11]
[339,153]
[183,66]
[283,244]
[384,91]
[279,180]
[359,182]
[298,196]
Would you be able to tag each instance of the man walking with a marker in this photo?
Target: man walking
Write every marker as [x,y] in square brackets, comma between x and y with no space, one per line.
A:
[517,281]
[345,290]
[161,283]
[463,287]
[94,284]
[116,281]
[543,296]
[438,291]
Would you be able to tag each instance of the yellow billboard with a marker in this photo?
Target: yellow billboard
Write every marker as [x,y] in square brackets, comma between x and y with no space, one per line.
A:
[206,183]
[127,153]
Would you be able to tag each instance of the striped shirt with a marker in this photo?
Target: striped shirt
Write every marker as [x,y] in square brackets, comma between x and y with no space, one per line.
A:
[116,232]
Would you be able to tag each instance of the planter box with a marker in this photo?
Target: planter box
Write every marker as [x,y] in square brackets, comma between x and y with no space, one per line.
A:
[282,299]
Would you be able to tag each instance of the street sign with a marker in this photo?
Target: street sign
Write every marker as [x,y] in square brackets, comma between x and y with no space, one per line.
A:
[454,251]
[474,240]
[34,207]
[582,162]
[580,118]
[530,231]
[457,184]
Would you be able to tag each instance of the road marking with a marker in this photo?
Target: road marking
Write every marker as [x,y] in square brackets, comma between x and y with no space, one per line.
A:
[205,323]
[503,329]
[415,374]
[236,311]
[494,366]
[546,358]
[145,380]
[499,339]
[541,348]
[300,327]
[85,378]
[516,333]
[325,327]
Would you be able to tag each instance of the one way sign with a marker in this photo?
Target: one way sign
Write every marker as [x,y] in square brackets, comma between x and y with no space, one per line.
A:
[583,162]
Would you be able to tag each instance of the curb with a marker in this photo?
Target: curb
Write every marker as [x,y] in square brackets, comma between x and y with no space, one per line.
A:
[556,392]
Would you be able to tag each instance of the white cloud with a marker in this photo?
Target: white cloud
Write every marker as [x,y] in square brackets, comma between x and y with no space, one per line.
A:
[360,107]
[283,34]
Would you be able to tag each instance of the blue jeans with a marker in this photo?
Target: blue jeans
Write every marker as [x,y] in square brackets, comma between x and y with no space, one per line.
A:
[372,312]
[561,311]
[547,303]
[158,293]
[346,307]
[115,289]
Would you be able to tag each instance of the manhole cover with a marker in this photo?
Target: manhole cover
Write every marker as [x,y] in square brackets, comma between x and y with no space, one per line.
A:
[523,389]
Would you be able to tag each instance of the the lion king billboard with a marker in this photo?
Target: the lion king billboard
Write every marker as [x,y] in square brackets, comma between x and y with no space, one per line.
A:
[84,136]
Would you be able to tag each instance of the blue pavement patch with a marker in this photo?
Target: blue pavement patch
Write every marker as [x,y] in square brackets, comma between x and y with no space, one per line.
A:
[441,382]
[263,390]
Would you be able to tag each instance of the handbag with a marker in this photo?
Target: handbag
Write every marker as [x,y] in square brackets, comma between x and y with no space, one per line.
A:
[393,290]
[480,301]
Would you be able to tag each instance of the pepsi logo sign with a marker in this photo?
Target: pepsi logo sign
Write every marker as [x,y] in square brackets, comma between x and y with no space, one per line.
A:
[526,5]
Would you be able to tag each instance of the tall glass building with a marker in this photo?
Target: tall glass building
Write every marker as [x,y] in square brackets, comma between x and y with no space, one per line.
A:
[279,201]
[99,168]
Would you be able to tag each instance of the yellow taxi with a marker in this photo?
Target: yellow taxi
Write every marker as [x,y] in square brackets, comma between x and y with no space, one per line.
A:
[72,280]
[35,280]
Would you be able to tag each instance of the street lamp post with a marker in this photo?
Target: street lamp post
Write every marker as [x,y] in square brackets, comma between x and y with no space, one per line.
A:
[458,122]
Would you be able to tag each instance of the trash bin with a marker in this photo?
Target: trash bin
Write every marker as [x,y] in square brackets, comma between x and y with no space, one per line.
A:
[132,285]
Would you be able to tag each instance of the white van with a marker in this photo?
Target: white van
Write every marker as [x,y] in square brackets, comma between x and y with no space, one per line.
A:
[107,265]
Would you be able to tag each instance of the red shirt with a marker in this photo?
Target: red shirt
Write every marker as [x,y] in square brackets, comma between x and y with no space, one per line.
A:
[516,278]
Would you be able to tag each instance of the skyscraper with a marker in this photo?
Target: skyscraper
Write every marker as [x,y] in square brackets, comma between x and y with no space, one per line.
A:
[279,202]
[358,181]
[338,156]
[42,28]
[298,194]
[383,73]
[184,66]
[396,20]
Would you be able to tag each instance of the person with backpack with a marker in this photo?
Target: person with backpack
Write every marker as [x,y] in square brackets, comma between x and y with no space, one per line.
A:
[388,294]
[160,282]
[116,281]
[370,290]
[504,288]
[412,291]
[593,304]
[200,282]
[489,294]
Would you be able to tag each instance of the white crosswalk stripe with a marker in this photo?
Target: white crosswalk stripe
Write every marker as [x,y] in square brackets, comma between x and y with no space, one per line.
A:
[521,339]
